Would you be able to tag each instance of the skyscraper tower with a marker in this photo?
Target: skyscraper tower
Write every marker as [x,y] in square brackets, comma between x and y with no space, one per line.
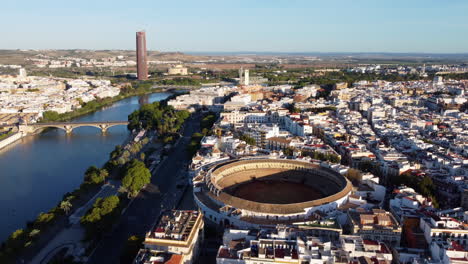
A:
[142,61]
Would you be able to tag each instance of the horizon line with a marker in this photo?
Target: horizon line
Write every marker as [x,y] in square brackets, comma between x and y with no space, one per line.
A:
[252,52]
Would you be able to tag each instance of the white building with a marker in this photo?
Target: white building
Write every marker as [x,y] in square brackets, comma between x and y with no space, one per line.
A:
[438,229]
[177,232]
[177,70]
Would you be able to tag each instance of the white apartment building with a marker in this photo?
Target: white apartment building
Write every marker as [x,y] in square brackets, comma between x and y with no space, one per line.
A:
[438,229]
[239,117]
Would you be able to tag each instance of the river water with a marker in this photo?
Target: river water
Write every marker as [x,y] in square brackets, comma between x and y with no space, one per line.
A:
[38,170]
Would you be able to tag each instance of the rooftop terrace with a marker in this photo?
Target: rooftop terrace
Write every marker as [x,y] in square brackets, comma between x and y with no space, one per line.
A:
[174,225]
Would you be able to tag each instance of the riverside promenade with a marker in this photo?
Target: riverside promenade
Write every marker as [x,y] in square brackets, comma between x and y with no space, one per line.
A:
[157,196]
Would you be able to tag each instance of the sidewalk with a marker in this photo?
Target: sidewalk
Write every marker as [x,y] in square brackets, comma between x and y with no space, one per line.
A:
[108,189]
[70,237]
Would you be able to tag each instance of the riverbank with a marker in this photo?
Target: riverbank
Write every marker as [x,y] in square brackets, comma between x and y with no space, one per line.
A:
[95,105]
[69,234]
[10,139]
[67,156]
[139,143]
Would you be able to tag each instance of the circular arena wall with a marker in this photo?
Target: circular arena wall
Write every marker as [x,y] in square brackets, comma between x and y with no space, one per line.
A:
[235,184]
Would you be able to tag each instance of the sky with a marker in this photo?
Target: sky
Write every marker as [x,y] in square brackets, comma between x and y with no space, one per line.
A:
[428,26]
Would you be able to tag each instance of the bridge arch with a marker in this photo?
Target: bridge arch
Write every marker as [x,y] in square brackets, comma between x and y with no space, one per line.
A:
[68,127]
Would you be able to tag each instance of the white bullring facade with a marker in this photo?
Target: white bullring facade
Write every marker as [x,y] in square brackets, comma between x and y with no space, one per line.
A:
[216,191]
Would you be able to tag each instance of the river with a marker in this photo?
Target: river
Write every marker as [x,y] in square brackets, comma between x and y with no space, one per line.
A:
[38,170]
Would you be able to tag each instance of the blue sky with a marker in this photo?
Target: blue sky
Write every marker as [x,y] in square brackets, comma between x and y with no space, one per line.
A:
[239,25]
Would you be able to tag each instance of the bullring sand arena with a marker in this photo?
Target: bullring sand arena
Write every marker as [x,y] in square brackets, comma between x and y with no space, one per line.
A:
[276,192]
[272,188]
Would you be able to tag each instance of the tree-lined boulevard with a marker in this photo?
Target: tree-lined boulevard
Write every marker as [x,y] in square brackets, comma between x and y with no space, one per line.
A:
[143,211]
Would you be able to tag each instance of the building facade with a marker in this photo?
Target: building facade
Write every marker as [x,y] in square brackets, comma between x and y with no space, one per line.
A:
[178,233]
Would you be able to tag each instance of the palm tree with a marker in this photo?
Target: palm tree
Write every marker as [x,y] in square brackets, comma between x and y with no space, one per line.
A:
[104,173]
[66,206]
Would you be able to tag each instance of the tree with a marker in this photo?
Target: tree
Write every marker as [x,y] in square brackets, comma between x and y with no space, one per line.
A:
[182,115]
[131,249]
[93,175]
[49,116]
[43,220]
[208,121]
[194,144]
[333,158]
[34,233]
[116,152]
[180,81]
[167,139]
[144,141]
[158,116]
[354,175]
[293,109]
[80,101]
[17,239]
[424,186]
[289,151]
[122,161]
[101,216]
[206,131]
[66,206]
[136,176]
[218,132]
[249,140]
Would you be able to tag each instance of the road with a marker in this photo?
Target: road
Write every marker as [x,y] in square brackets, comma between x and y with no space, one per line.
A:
[146,207]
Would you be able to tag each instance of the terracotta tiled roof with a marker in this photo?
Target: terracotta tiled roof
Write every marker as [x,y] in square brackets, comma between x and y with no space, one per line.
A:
[175,259]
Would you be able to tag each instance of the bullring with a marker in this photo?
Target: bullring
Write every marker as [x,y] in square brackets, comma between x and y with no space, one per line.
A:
[268,191]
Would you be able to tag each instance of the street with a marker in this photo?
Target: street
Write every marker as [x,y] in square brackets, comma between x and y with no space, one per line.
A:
[146,207]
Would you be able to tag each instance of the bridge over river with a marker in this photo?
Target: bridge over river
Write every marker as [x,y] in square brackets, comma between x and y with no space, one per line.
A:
[67,126]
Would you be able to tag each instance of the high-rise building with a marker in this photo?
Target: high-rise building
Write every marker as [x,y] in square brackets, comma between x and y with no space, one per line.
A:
[142,60]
